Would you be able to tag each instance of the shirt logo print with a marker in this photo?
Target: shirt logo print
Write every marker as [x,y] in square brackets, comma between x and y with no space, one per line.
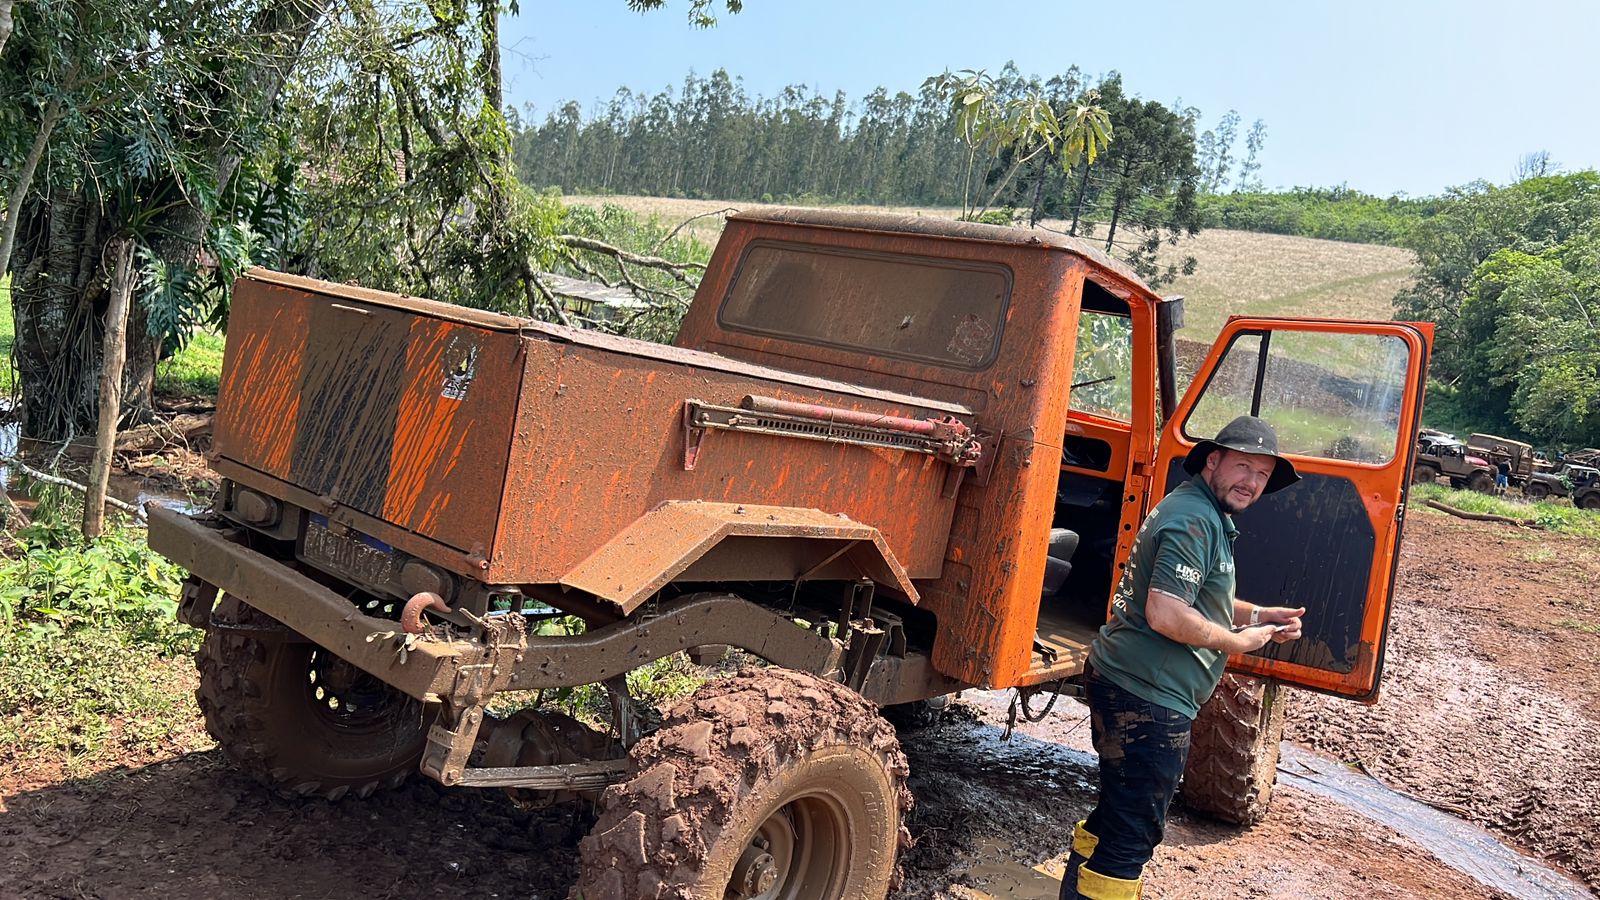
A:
[1189,573]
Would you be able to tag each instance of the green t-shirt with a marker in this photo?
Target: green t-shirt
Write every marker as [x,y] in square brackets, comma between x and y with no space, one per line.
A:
[1184,548]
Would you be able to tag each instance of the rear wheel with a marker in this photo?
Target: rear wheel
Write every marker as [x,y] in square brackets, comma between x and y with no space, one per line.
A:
[1233,751]
[298,718]
[1422,473]
[1590,500]
[771,784]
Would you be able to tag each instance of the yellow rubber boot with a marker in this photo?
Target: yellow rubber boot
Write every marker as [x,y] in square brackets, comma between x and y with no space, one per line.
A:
[1094,886]
[1083,844]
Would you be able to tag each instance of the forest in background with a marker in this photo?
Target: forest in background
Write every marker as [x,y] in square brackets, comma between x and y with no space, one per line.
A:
[709,138]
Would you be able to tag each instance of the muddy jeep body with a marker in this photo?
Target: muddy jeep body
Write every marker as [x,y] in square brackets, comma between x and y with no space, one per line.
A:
[876,458]
[1452,459]
[1581,483]
[1517,455]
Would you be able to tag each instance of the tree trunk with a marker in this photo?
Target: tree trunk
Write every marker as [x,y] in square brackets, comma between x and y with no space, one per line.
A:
[1077,206]
[59,291]
[114,353]
[5,23]
[1121,197]
[1038,192]
[19,191]
[56,294]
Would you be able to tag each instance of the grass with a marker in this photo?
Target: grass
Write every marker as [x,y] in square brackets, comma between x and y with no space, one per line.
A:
[1539,556]
[1561,518]
[93,666]
[1575,625]
[195,370]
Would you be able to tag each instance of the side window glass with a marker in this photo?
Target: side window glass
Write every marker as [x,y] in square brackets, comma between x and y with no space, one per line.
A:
[1336,396]
[1102,368]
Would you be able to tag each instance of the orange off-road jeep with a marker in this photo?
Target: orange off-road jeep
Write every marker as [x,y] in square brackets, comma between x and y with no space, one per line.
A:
[893,457]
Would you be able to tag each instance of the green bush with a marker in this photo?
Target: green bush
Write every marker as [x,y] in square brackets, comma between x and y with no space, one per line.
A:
[91,658]
[1337,214]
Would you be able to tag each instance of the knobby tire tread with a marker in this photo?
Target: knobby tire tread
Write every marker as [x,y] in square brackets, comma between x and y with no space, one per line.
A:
[654,836]
[1233,752]
[235,680]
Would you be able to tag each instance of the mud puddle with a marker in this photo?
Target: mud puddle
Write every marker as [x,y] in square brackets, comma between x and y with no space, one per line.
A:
[994,821]
[1459,844]
[133,489]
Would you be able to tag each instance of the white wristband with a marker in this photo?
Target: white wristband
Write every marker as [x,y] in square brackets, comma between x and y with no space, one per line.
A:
[1255,615]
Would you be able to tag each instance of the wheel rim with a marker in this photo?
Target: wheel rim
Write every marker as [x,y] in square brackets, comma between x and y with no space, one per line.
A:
[346,699]
[800,852]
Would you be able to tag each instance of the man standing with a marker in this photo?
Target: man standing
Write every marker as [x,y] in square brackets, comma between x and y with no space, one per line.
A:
[1174,621]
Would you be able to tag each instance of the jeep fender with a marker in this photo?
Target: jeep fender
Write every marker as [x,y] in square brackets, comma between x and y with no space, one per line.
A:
[710,542]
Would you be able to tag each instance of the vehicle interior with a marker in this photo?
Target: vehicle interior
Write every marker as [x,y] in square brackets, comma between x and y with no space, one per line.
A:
[1094,461]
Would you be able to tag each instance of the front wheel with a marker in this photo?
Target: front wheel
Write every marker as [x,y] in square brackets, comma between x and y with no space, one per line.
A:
[298,718]
[1482,482]
[1536,490]
[1233,751]
[770,785]
[1590,500]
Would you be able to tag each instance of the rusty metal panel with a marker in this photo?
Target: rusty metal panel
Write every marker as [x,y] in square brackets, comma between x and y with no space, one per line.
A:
[452,433]
[600,441]
[259,396]
[987,600]
[372,407]
[665,542]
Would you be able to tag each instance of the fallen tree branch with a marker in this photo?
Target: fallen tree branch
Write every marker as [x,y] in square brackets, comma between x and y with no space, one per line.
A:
[674,232]
[676,270]
[531,284]
[57,480]
[1481,517]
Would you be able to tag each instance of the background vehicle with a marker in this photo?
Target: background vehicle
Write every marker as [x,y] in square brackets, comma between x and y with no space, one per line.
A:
[892,456]
[1451,458]
[1581,483]
[1494,449]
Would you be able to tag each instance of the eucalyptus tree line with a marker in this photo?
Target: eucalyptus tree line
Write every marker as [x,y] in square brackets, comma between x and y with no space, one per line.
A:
[966,139]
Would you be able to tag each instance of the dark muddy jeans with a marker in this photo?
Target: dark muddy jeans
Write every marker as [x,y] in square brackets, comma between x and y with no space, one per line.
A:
[1142,748]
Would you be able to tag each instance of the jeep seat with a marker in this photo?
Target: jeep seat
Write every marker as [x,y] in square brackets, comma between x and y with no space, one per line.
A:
[1058,560]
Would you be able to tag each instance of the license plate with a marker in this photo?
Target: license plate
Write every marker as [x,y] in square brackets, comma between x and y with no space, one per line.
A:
[364,559]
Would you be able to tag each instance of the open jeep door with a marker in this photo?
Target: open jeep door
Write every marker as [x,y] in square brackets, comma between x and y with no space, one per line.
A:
[1346,400]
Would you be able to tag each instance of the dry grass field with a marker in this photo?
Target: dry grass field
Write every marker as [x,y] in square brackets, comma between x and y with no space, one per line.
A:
[1240,273]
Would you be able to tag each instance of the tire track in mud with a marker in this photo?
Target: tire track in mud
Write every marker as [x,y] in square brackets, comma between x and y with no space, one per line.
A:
[1486,709]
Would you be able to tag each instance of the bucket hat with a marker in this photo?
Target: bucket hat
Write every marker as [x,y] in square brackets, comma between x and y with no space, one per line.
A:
[1246,434]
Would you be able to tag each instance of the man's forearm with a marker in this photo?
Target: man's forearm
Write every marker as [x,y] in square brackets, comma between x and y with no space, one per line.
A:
[1176,620]
[1241,611]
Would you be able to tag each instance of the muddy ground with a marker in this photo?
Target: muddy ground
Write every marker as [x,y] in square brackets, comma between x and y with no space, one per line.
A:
[1489,711]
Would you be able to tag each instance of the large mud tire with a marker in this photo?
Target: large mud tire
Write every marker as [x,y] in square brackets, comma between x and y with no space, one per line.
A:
[1422,473]
[261,701]
[1536,490]
[769,756]
[1482,482]
[1233,751]
[1590,500]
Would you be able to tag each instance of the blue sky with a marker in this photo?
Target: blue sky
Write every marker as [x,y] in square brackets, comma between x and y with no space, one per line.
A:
[1386,97]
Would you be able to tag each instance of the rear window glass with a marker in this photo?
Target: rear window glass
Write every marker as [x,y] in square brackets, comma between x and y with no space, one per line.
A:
[911,307]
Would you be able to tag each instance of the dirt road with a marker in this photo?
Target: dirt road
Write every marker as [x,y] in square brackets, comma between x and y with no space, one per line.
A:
[1489,710]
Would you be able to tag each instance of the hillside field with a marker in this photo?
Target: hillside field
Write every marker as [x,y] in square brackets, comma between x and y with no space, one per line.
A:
[1240,272]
